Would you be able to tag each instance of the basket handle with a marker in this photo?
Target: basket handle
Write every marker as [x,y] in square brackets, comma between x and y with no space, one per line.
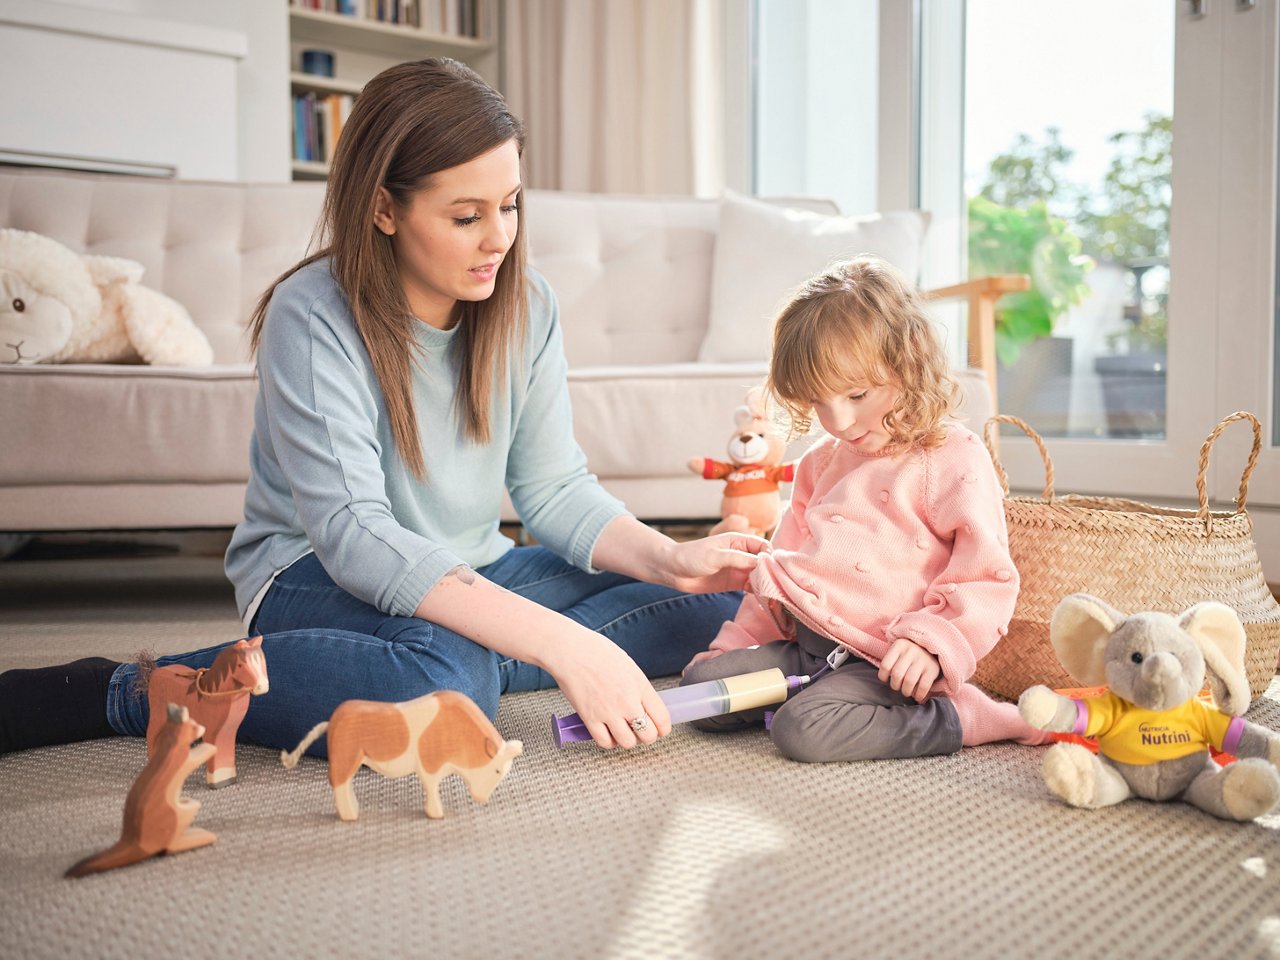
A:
[989,438]
[1202,487]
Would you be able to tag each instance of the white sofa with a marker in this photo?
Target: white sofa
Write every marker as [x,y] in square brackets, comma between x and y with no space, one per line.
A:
[93,447]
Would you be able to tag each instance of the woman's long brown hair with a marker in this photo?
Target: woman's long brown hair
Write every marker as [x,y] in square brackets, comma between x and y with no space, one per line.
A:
[411,121]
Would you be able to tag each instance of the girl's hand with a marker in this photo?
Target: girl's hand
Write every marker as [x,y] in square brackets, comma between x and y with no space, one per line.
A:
[909,669]
[713,564]
[608,691]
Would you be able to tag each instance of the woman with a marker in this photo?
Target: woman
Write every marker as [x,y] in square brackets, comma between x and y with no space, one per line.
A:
[409,372]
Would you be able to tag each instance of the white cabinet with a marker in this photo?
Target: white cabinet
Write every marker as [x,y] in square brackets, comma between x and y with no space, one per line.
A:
[120,92]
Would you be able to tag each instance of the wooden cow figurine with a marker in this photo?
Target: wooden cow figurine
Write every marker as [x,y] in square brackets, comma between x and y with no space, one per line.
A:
[432,736]
[216,696]
[157,818]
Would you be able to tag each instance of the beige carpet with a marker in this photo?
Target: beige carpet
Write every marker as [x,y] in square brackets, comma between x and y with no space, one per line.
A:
[701,846]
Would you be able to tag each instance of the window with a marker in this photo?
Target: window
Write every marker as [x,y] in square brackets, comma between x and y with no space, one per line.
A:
[1145,202]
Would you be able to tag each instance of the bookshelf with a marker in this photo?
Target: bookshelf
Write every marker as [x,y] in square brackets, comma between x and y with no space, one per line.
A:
[362,47]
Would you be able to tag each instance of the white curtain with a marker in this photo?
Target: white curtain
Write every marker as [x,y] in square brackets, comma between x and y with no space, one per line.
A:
[618,96]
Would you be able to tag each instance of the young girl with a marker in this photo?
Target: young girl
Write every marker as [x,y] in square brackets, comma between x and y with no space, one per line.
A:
[894,545]
[409,373]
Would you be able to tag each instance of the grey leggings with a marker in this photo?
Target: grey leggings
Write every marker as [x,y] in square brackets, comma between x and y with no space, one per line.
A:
[847,714]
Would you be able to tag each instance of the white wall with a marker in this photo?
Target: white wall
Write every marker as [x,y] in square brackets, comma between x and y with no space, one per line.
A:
[195,85]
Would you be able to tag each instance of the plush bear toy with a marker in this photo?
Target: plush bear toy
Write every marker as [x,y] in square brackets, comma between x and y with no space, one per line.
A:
[1153,731]
[57,307]
[751,502]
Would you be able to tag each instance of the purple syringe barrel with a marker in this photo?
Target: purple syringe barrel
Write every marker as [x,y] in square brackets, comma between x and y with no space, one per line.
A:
[696,701]
[700,700]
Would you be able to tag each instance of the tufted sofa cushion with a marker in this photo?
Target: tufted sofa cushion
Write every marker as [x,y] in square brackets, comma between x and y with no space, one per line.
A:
[631,274]
[213,247]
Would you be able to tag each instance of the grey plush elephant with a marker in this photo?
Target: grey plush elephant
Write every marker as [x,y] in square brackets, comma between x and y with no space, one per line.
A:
[1153,731]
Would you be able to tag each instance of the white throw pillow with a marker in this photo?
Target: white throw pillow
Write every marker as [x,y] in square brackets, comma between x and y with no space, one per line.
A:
[763,252]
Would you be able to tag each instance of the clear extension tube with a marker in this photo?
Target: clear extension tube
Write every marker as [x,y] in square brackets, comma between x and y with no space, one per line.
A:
[711,698]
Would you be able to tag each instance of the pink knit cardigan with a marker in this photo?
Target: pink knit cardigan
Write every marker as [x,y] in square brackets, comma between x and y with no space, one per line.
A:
[875,547]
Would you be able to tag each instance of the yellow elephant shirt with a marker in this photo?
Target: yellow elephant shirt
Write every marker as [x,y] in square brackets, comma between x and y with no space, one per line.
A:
[1130,734]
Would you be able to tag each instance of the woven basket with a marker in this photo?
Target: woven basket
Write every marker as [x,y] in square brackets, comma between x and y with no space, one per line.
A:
[1133,555]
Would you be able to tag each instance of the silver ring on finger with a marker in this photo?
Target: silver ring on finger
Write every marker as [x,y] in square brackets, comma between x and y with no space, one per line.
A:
[639,724]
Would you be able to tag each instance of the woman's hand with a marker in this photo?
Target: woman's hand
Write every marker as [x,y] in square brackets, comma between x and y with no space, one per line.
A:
[709,565]
[604,685]
[608,691]
[713,564]
[910,669]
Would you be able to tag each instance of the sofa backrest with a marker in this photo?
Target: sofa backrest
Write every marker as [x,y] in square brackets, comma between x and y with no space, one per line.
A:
[632,273]
[213,247]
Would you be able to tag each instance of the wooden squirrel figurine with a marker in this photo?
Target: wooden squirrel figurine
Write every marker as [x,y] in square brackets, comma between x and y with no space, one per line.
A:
[157,818]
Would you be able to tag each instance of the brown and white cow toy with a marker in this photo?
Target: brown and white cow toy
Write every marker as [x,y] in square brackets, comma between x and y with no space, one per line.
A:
[432,736]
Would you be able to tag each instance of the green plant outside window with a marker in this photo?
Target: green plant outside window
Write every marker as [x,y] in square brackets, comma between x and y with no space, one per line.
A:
[1030,240]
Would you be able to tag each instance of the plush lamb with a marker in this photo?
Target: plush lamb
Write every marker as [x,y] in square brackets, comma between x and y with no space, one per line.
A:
[57,306]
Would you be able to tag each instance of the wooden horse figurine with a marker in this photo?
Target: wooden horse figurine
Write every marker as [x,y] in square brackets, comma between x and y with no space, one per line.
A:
[432,736]
[157,818]
[218,698]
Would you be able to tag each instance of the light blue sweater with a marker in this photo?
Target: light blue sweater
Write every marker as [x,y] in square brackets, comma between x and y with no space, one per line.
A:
[325,473]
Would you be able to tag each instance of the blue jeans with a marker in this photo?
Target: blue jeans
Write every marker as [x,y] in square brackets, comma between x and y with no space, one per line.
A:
[324,646]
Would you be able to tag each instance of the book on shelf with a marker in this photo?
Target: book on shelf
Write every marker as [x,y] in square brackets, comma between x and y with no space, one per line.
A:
[317,124]
[461,18]
[299,129]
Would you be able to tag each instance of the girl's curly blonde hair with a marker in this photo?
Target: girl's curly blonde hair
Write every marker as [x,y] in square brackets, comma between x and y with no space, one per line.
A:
[862,321]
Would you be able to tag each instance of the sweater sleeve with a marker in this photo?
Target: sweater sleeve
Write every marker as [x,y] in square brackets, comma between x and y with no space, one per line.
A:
[318,395]
[752,625]
[561,503]
[967,607]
